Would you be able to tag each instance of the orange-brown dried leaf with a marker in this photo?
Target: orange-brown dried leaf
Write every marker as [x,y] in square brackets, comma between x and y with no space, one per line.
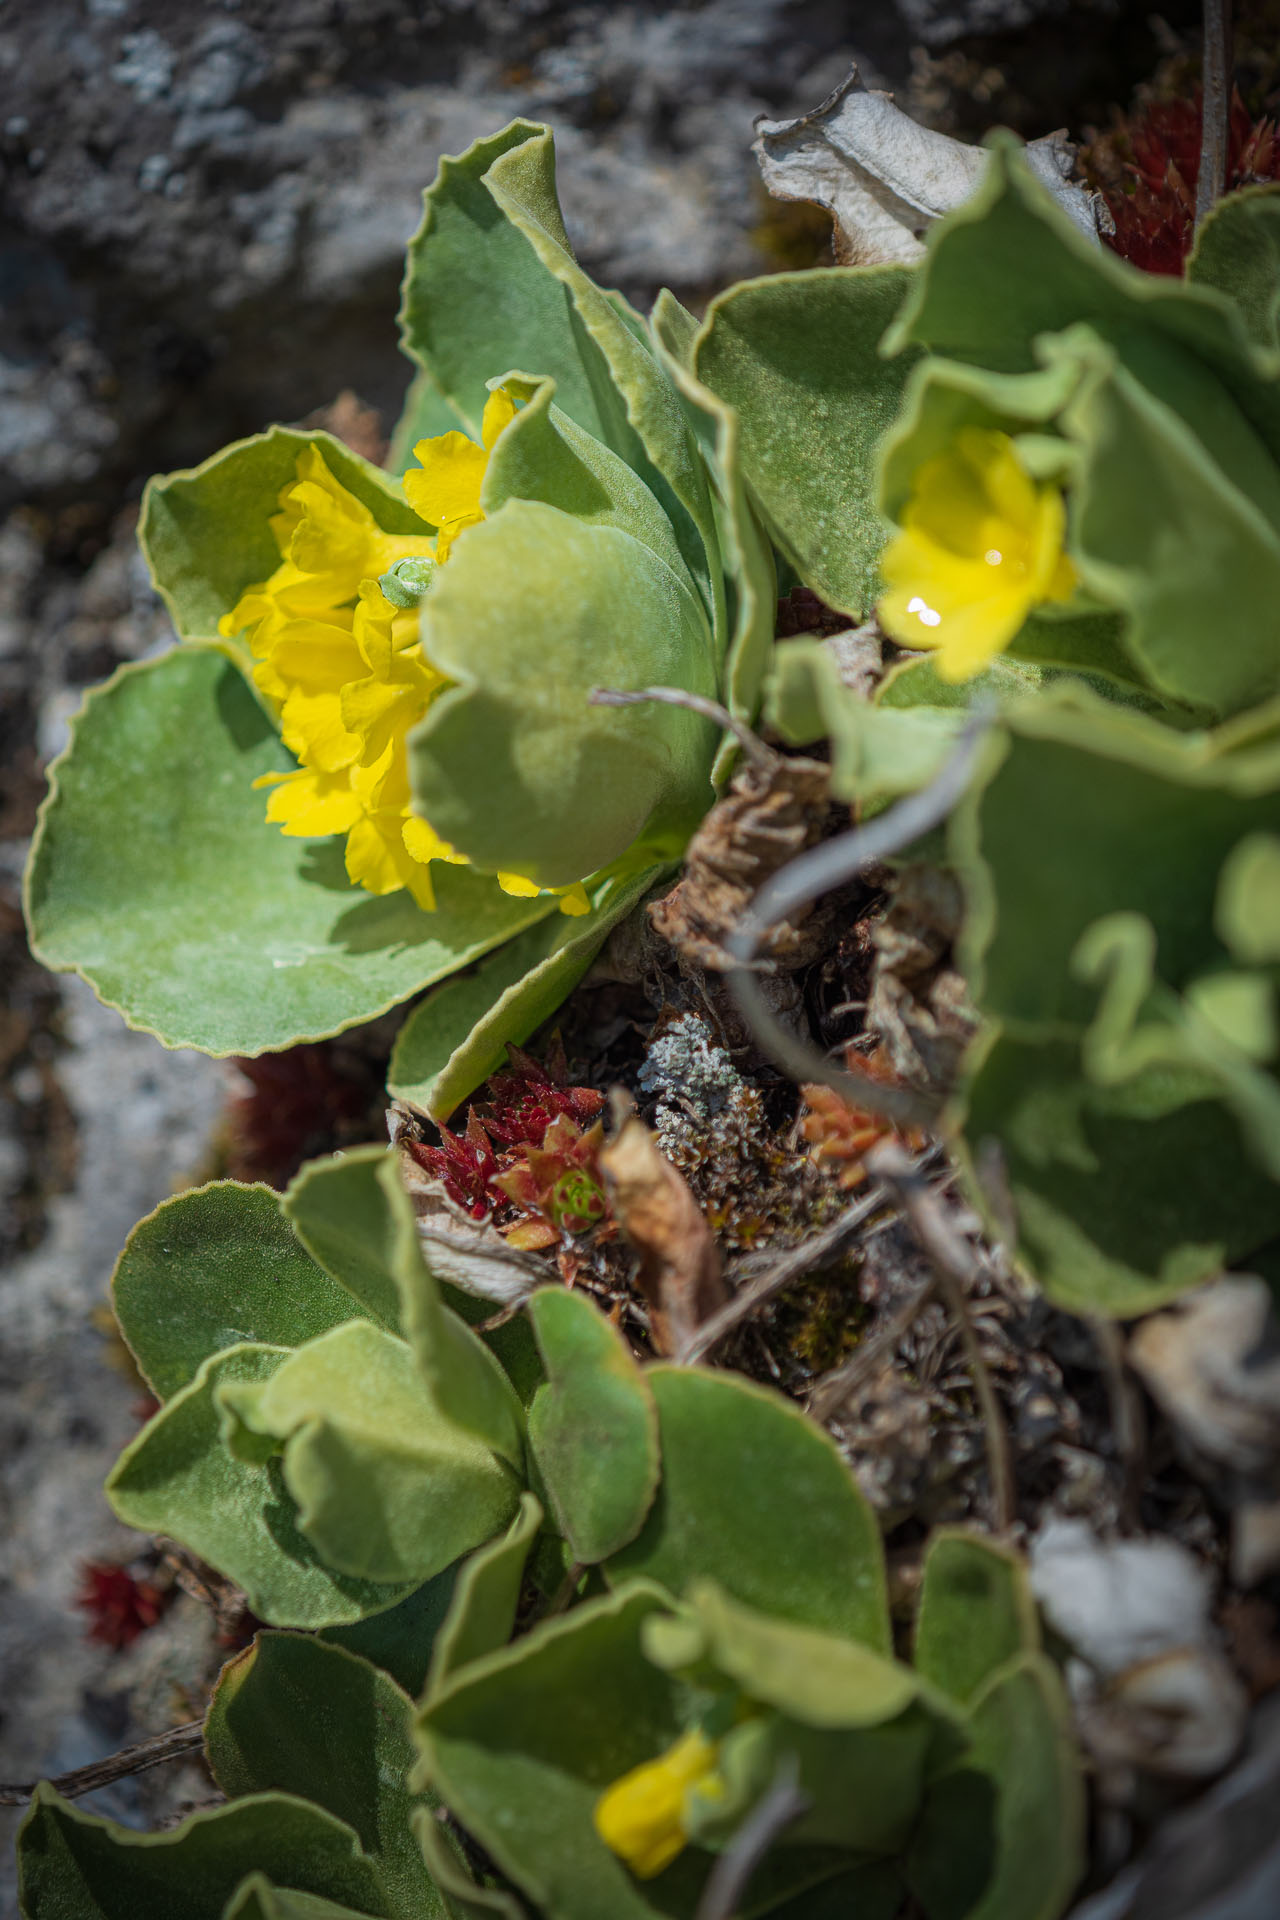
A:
[679,1274]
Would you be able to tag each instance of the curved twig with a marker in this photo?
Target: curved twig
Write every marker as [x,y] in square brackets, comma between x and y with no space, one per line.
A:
[781,1806]
[823,868]
[751,743]
[187,1738]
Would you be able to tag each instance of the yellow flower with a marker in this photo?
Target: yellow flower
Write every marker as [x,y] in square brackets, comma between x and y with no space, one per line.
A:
[341,660]
[980,546]
[445,487]
[641,1816]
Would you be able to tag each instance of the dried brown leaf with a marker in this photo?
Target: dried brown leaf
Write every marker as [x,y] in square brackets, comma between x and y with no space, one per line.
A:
[679,1274]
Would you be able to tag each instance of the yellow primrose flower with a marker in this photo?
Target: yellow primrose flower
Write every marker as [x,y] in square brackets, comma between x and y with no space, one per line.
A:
[641,1816]
[445,487]
[334,635]
[980,546]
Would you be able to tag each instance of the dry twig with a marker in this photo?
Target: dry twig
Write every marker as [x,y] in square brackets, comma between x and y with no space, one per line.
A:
[188,1738]
[1215,107]
[781,1806]
[789,1266]
[957,1269]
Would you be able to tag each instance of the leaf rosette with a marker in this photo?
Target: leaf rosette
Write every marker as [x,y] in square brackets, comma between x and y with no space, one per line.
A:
[406,661]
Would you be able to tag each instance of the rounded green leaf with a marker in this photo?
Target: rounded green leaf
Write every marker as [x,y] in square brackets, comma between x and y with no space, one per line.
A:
[256,1899]
[797,358]
[155,876]
[387,1488]
[294,1714]
[75,1866]
[520,1745]
[1237,250]
[976,1612]
[485,1597]
[757,1498]
[178,1478]
[513,765]
[593,1426]
[214,1268]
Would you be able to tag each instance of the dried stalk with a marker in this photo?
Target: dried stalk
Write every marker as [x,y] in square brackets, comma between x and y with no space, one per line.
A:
[782,1805]
[792,1265]
[823,868]
[1215,107]
[957,1269]
[188,1738]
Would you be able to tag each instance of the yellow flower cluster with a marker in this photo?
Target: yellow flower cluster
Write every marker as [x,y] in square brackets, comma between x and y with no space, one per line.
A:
[641,1816]
[980,546]
[336,649]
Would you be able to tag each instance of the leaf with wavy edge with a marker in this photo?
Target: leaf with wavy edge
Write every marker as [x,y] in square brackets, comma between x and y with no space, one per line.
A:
[154,875]
[485,1597]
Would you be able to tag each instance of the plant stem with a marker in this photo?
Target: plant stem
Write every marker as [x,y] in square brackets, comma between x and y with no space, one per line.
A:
[1215,106]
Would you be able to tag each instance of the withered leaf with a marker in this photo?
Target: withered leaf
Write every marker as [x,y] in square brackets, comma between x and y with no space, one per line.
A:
[680,1274]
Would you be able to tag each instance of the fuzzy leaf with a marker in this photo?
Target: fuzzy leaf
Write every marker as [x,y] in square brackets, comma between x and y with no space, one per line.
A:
[354,1761]
[1021,1731]
[746,553]
[400,1641]
[352,1212]
[257,1899]
[520,1745]
[74,1866]
[512,765]
[467,1901]
[205,532]
[155,876]
[976,1612]
[458,1035]
[215,1268]
[485,1598]
[593,1427]
[491,220]
[387,1488]
[1237,250]
[877,750]
[756,1498]
[178,1478]
[796,356]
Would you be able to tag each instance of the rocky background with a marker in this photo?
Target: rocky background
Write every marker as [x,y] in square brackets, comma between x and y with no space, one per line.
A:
[205,208]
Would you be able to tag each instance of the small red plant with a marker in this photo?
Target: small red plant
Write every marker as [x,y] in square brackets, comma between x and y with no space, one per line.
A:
[121,1605]
[1152,161]
[529,1156]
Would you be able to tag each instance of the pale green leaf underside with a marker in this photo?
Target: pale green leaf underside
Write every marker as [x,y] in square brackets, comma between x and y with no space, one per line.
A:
[155,876]
[178,1478]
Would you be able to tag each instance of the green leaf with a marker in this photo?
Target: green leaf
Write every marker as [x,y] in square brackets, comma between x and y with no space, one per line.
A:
[458,1035]
[73,1866]
[206,533]
[257,1899]
[976,1612]
[746,553]
[593,1427]
[351,1211]
[520,1745]
[512,764]
[820,1679]
[492,221]
[401,1640]
[1237,250]
[797,358]
[467,1901]
[177,1478]
[1246,912]
[1008,266]
[155,876]
[756,1497]
[212,1268]
[295,1715]
[485,1598]
[1020,1726]
[877,750]
[1159,527]
[1125,1197]
[387,1487]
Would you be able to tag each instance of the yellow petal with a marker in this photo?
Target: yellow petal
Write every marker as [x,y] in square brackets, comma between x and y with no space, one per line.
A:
[307,805]
[499,412]
[312,727]
[446,485]
[640,1817]
[378,862]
